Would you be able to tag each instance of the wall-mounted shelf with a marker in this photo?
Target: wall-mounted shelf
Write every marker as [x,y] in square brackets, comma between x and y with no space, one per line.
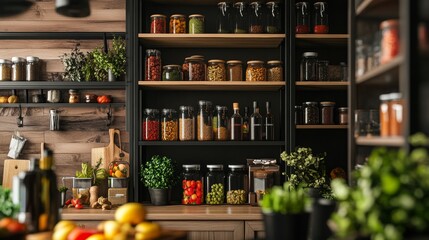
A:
[377,8]
[61,105]
[211,143]
[61,85]
[212,40]
[381,141]
[374,76]
[317,85]
[322,39]
[212,85]
[321,126]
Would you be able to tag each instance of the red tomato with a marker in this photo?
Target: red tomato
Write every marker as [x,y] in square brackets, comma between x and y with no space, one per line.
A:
[188,183]
[74,202]
[185,201]
[81,234]
[68,202]
[199,185]
[198,201]
[78,206]
[184,184]
[199,193]
[194,197]
[189,191]
[192,184]
[11,225]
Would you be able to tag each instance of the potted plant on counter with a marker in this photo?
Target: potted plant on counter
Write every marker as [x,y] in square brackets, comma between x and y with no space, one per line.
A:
[159,176]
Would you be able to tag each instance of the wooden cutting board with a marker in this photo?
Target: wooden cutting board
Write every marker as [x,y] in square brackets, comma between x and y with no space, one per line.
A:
[11,168]
[110,152]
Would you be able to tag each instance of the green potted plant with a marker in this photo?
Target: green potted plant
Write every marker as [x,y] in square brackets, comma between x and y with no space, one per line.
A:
[159,176]
[110,65]
[73,65]
[63,191]
[390,199]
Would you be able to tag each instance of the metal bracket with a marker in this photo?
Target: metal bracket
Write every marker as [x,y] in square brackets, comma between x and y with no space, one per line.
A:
[20,119]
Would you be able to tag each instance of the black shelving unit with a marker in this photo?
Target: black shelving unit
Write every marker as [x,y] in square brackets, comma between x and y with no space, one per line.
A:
[212,143]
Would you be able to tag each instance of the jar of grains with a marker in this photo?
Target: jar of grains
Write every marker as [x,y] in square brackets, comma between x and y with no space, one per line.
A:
[196,23]
[274,70]
[221,130]
[204,121]
[327,112]
[153,65]
[177,23]
[169,125]
[186,123]
[150,129]
[309,66]
[255,71]
[158,23]
[234,70]
[197,69]
[311,113]
[5,70]
[32,72]
[18,69]
[172,73]
[216,70]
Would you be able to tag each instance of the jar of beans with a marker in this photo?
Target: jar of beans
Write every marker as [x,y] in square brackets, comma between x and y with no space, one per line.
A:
[237,185]
[327,112]
[169,125]
[18,69]
[216,70]
[221,130]
[302,18]
[158,23]
[192,185]
[274,70]
[256,71]
[150,125]
[172,73]
[234,70]
[196,23]
[153,65]
[311,113]
[197,69]
[321,17]
[343,115]
[186,123]
[204,121]
[389,40]
[178,23]
[256,18]
[215,185]
[5,70]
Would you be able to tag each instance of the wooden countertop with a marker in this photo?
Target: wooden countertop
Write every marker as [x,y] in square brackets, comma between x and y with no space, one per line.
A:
[173,212]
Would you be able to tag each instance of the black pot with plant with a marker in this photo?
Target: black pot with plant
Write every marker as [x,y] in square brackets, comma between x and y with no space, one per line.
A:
[159,176]
[109,65]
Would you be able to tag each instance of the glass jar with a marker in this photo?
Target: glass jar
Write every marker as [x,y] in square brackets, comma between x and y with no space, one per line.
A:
[150,129]
[235,70]
[322,70]
[172,73]
[240,17]
[275,70]
[185,69]
[89,98]
[309,66]
[384,115]
[158,23]
[302,18]
[344,72]
[169,125]
[192,185]
[178,23]
[74,96]
[153,65]
[237,185]
[273,24]
[216,70]
[119,171]
[343,116]
[321,17]
[5,70]
[327,112]
[32,70]
[396,119]
[18,69]
[256,71]
[186,123]
[390,41]
[256,18]
[311,113]
[196,23]
[54,96]
[360,58]
[197,69]
[221,130]
[298,115]
[215,185]
[204,121]
[223,18]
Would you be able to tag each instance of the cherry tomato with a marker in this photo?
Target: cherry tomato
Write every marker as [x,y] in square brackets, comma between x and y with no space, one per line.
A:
[68,202]
[74,202]
[189,192]
[189,183]
[198,201]
[78,206]
[184,184]
[194,196]
[192,184]
[199,185]
[199,193]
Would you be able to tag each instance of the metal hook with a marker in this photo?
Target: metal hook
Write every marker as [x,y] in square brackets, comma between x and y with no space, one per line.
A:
[20,119]
[109,116]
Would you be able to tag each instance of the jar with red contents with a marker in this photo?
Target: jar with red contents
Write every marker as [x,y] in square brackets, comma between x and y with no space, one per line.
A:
[150,125]
[321,17]
[302,18]
[192,185]
[158,23]
[389,40]
[153,69]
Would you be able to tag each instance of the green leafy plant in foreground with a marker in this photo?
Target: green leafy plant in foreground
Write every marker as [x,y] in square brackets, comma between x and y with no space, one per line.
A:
[7,207]
[158,173]
[285,200]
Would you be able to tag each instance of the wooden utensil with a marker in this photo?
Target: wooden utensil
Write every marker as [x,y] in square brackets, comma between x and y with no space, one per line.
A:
[11,168]
[110,152]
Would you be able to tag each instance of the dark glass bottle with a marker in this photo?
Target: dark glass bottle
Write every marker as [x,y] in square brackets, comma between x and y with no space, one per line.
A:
[236,123]
[256,123]
[269,124]
[245,127]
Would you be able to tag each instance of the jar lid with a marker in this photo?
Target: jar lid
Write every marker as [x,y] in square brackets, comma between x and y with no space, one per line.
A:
[299,4]
[310,54]
[395,96]
[151,110]
[215,166]
[168,110]
[204,102]
[274,62]
[5,61]
[236,166]
[72,91]
[272,3]
[255,62]
[221,3]
[191,166]
[158,15]
[385,97]
[319,3]
[216,61]
[255,3]
[196,15]
[197,56]
[343,109]
[32,59]
[156,51]
[327,104]
[184,108]
[310,103]
[234,62]
[18,59]
[178,15]
[389,23]
[172,66]
[238,3]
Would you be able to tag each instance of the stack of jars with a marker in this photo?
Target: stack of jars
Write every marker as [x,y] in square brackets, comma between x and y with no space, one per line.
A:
[20,69]
[310,113]
[177,24]
[320,24]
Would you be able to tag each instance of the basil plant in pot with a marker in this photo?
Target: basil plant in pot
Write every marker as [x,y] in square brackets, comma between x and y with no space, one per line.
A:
[159,176]
[110,65]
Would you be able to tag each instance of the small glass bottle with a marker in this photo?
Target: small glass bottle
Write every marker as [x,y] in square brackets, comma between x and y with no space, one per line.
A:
[5,70]
[343,116]
[275,71]
[216,70]
[390,41]
[186,123]
[273,22]
[169,125]
[322,70]
[18,69]
[302,18]
[309,66]
[223,18]
[215,185]
[327,112]
[311,113]
[234,70]
[269,124]
[74,96]
[150,129]
[236,123]
[256,123]
[32,73]
[197,69]
[192,185]
[196,24]
[221,132]
[256,18]
[237,185]
[178,23]
[240,18]
[158,23]
[153,65]
[245,130]
[256,71]
[204,121]
[172,73]
[321,17]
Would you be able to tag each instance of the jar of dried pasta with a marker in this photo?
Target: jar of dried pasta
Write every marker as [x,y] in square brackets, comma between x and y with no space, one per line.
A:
[256,71]
[274,70]
[177,23]
[216,70]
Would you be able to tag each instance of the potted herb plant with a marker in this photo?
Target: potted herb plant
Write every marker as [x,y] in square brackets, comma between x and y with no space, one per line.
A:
[158,175]
[74,65]
[63,192]
[110,65]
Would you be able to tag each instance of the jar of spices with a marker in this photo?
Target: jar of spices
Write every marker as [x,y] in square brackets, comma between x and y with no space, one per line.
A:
[74,96]
[327,113]
[197,69]
[169,125]
[192,185]
[178,23]
[196,23]
[256,18]
[158,23]
[221,130]
[309,66]
[322,70]
[240,17]
[186,123]
[396,119]
[204,121]
[384,115]
[311,113]
[298,115]
[216,70]
[234,70]
[153,65]
[215,185]
[90,98]
[5,70]
[223,18]
[273,22]
[343,116]
[390,41]
[256,71]
[237,185]
[32,73]
[274,70]
[302,18]
[54,96]
[172,73]
[150,125]
[321,17]
[18,69]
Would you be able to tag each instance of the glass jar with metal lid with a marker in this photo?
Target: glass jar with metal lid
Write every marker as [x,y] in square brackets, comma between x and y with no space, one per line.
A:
[215,184]
[197,69]
[273,19]
[311,113]
[396,111]
[5,70]
[158,23]
[204,121]
[343,115]
[302,18]
[240,18]
[256,71]
[186,123]
[150,128]
[237,185]
[32,73]
[196,23]
[153,65]
[321,17]
[256,18]
[275,70]
[216,70]
[224,17]
[327,112]
[221,130]
[169,125]
[192,185]
[172,73]
[18,69]
[309,66]
[234,70]
[178,23]
[74,96]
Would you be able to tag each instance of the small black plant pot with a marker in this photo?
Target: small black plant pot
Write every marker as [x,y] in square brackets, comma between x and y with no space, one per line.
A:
[158,196]
[314,193]
[286,226]
[322,211]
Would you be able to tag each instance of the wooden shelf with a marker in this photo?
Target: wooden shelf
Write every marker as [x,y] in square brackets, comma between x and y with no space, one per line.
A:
[374,76]
[321,126]
[211,143]
[377,8]
[317,85]
[212,40]
[61,85]
[322,39]
[381,141]
[212,85]
[61,105]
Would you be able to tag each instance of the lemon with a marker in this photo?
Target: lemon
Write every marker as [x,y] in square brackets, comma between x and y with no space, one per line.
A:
[118,174]
[132,213]
[111,228]
[62,230]
[148,229]
[97,236]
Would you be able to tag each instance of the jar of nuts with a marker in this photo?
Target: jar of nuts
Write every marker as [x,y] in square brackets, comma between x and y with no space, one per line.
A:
[153,65]
[169,125]
[275,70]
[237,184]
[216,70]
[178,23]
[204,121]
[234,70]
[256,71]
[215,184]
[186,123]
[197,69]
[150,125]
[158,23]
[221,130]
